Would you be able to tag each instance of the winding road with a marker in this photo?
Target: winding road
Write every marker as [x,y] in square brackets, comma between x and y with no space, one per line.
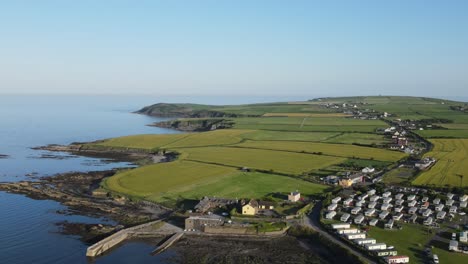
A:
[312,220]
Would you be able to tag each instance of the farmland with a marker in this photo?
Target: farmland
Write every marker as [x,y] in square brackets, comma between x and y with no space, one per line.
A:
[451,166]
[267,160]
[339,150]
[443,133]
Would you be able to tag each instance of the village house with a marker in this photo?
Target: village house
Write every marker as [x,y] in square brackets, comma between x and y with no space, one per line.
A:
[427,212]
[332,207]
[348,231]
[341,226]
[374,198]
[436,201]
[345,217]
[330,215]
[371,192]
[383,215]
[439,207]
[198,223]
[385,206]
[386,194]
[453,245]
[294,196]
[265,205]
[386,252]
[453,209]
[425,205]
[358,220]
[450,196]
[399,202]
[336,200]
[351,180]
[463,204]
[250,208]
[389,224]
[376,246]
[356,210]
[463,236]
[412,203]
[360,203]
[387,200]
[428,221]
[373,222]
[355,236]
[413,219]
[397,217]
[411,197]
[463,198]
[398,209]
[371,205]
[348,202]
[370,212]
[425,199]
[441,215]
[363,196]
[208,203]
[397,259]
[412,210]
[449,202]
[399,196]
[368,170]
[363,241]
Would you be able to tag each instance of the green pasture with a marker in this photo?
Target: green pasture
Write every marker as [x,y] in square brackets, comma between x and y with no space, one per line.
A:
[267,160]
[339,150]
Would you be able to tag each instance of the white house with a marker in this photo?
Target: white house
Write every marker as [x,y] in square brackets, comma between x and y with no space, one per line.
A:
[348,231]
[341,225]
[371,192]
[383,214]
[453,209]
[360,203]
[412,210]
[412,203]
[355,236]
[427,212]
[387,200]
[399,196]
[332,207]
[449,202]
[413,218]
[371,205]
[363,196]
[441,215]
[370,212]
[374,198]
[397,259]
[439,207]
[348,202]
[373,222]
[397,217]
[376,246]
[411,197]
[463,236]
[463,198]
[294,196]
[330,215]
[425,199]
[368,170]
[398,209]
[463,204]
[345,217]
[399,202]
[450,196]
[389,224]
[336,200]
[356,210]
[428,221]
[453,245]
[386,194]
[436,201]
[363,241]
[384,206]
[358,219]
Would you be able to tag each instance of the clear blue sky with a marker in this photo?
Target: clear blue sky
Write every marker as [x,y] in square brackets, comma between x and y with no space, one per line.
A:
[408,47]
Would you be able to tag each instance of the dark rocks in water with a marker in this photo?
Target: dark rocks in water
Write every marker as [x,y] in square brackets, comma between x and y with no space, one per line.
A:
[2,156]
[88,233]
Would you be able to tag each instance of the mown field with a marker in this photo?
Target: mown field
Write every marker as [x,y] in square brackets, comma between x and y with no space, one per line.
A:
[266,160]
[339,150]
[442,133]
[452,164]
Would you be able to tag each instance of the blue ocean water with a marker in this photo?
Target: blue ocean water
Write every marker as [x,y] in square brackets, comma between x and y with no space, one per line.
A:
[27,227]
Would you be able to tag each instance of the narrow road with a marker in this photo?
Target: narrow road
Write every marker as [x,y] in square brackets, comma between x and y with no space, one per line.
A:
[312,220]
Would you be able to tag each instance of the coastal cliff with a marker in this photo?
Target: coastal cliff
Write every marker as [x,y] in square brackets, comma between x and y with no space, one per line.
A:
[195,125]
[184,111]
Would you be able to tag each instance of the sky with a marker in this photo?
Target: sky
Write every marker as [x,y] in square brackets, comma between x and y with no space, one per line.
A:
[243,47]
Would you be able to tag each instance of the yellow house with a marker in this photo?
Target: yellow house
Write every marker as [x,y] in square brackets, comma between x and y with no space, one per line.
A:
[250,208]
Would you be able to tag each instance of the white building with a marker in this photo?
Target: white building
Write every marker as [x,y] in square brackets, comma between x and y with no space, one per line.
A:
[358,219]
[463,236]
[330,215]
[363,196]
[370,212]
[399,202]
[463,198]
[436,201]
[376,246]
[412,210]
[371,205]
[336,200]
[384,206]
[332,207]
[371,192]
[360,203]
[345,217]
[453,209]
[383,214]
[453,245]
[348,202]
[450,196]
[399,196]
[441,215]
[398,209]
[387,200]
[449,202]
[355,236]
[412,203]
[428,221]
[373,222]
[427,212]
[389,224]
[341,225]
[439,207]
[374,198]
[425,199]
[294,196]
[356,210]
[386,194]
[368,170]
[397,259]
[411,197]
[348,231]
[397,217]
[363,241]
[413,218]
[463,204]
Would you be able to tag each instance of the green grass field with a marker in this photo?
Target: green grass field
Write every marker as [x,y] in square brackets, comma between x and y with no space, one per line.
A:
[245,185]
[292,136]
[358,138]
[142,141]
[278,161]
[452,164]
[398,175]
[442,133]
[339,150]
[410,241]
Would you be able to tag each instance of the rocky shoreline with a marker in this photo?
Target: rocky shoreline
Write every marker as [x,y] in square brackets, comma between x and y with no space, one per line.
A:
[2,156]
[195,125]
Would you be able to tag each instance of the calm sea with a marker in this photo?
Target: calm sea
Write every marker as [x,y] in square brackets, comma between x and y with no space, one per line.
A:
[28,233]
